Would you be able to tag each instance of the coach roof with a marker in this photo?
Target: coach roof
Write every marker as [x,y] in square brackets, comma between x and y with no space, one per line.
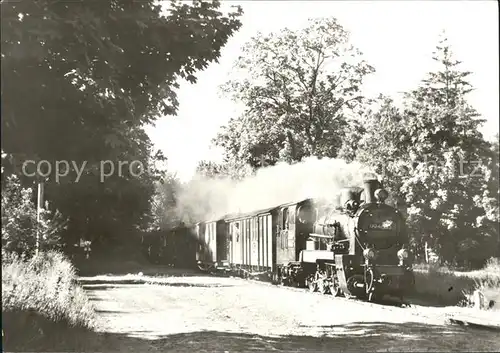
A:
[236,216]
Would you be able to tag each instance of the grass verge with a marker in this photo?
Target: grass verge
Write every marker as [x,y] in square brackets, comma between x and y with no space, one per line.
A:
[448,287]
[42,306]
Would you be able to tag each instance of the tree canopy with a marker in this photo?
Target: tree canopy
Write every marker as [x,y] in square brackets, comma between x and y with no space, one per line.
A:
[433,157]
[79,81]
[427,147]
[297,86]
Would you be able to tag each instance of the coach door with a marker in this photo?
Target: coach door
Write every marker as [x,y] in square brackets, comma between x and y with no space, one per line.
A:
[229,242]
[286,235]
[221,241]
[292,230]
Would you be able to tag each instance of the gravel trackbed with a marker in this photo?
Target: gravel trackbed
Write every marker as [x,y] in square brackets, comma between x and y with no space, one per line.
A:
[212,314]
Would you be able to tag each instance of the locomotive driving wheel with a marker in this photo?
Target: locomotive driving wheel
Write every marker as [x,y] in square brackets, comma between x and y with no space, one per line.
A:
[275,278]
[283,281]
[322,286]
[334,287]
[353,289]
[311,283]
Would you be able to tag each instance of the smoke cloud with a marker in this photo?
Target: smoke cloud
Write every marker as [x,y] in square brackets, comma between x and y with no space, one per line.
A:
[209,199]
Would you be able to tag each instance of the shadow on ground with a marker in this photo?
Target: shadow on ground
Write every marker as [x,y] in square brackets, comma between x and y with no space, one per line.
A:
[373,336]
[104,282]
[99,268]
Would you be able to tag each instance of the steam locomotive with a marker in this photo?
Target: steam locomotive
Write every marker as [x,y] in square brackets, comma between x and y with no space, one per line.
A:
[358,249]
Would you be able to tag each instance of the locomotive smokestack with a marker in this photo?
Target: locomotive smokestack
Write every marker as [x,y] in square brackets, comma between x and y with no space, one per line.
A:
[369,190]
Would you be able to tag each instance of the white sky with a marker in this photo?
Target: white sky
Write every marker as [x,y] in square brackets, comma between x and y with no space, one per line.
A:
[396,37]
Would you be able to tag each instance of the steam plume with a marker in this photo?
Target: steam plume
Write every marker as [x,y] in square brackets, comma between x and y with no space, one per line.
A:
[209,199]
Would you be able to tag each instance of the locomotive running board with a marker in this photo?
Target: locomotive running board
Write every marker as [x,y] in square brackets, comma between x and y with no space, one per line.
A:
[315,235]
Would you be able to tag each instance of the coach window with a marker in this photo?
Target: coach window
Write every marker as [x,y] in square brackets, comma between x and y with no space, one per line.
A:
[291,218]
[236,230]
[285,218]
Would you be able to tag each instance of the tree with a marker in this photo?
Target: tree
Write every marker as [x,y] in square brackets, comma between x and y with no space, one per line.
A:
[79,81]
[209,169]
[296,86]
[164,203]
[19,220]
[384,134]
[490,199]
[434,143]
[229,169]
[354,131]
[381,143]
[443,128]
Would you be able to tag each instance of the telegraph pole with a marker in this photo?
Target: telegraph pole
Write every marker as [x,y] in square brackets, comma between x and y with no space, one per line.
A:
[262,161]
[38,215]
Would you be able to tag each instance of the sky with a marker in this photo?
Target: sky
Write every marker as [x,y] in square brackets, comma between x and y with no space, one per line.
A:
[396,37]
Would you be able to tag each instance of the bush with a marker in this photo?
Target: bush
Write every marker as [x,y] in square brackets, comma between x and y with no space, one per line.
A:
[488,284]
[19,220]
[493,265]
[45,284]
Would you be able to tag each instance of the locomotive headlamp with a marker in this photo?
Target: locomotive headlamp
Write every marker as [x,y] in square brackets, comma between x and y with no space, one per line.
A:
[369,254]
[403,254]
[381,195]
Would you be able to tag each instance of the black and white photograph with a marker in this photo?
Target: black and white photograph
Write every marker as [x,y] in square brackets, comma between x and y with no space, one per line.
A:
[250,176]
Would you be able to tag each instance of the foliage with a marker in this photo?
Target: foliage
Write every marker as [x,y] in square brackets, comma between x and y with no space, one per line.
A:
[444,200]
[439,169]
[164,203]
[231,168]
[19,220]
[209,169]
[435,147]
[45,284]
[453,287]
[80,79]
[382,145]
[297,87]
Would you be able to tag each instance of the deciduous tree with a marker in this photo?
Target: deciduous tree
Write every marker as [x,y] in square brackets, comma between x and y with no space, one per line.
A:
[296,87]
[428,152]
[80,79]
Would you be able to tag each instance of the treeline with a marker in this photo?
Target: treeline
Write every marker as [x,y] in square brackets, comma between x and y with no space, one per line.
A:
[302,93]
[80,88]
[80,80]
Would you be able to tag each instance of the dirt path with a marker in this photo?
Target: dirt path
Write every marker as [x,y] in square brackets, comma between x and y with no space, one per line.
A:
[205,314]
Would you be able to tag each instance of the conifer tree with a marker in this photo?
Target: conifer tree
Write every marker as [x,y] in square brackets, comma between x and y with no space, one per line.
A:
[448,157]
[434,160]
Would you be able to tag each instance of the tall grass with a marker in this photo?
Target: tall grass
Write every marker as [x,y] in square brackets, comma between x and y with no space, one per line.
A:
[449,287]
[39,297]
